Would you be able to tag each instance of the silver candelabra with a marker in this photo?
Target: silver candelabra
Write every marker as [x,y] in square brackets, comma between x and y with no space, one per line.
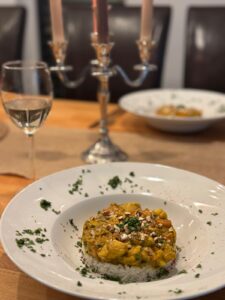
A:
[104,150]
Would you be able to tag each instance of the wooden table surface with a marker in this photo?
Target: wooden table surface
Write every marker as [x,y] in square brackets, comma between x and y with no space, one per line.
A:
[14,284]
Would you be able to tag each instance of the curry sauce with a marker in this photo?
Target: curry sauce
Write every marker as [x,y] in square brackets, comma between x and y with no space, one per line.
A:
[127,235]
[178,111]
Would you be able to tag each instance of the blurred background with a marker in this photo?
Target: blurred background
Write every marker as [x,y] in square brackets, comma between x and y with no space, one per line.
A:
[173,70]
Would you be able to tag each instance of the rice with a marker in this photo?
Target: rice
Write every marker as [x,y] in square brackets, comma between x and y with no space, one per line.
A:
[126,274]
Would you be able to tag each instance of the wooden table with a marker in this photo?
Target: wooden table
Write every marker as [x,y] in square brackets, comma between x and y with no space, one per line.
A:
[14,284]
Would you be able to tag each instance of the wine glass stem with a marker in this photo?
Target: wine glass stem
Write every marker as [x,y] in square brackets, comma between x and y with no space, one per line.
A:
[31,156]
[103,99]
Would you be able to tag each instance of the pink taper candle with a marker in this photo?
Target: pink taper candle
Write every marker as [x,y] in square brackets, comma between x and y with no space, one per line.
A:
[146,20]
[57,20]
[94,9]
[102,21]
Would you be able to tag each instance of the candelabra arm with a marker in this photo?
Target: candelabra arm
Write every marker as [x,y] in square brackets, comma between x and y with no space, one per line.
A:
[71,84]
[59,49]
[145,46]
[144,71]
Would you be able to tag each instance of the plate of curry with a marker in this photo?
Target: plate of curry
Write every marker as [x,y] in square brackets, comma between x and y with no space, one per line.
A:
[127,215]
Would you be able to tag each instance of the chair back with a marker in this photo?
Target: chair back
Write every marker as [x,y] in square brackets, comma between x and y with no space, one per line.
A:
[12,25]
[205,49]
[124,23]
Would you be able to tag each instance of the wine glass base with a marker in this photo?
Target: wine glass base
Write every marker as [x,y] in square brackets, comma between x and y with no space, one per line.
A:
[103,151]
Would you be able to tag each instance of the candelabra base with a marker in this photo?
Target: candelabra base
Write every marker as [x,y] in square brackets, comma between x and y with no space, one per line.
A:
[103,151]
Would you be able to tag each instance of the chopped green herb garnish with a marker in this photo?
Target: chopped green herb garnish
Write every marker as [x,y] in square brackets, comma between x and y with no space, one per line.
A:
[209,223]
[84,271]
[28,243]
[132,223]
[73,225]
[162,272]
[178,249]
[32,232]
[176,291]
[199,266]
[79,283]
[57,212]
[128,180]
[138,256]
[200,211]
[75,186]
[86,171]
[24,242]
[40,240]
[182,272]
[113,278]
[20,242]
[45,204]
[214,214]
[132,174]
[79,244]
[197,275]
[28,231]
[114,182]
[37,231]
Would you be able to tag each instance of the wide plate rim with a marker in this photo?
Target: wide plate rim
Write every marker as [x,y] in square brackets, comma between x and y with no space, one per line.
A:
[187,120]
[82,295]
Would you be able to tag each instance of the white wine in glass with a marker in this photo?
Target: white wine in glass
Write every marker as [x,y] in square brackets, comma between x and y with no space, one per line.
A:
[27,97]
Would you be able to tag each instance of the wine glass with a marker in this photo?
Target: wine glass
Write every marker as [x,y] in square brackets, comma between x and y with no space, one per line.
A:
[27,97]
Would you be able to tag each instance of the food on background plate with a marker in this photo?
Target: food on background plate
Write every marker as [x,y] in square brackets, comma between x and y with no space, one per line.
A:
[127,243]
[178,111]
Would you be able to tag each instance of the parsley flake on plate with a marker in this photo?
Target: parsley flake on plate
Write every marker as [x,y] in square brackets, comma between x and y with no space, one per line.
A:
[45,204]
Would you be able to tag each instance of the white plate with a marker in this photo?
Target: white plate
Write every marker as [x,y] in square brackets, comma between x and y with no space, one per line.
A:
[195,204]
[145,104]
